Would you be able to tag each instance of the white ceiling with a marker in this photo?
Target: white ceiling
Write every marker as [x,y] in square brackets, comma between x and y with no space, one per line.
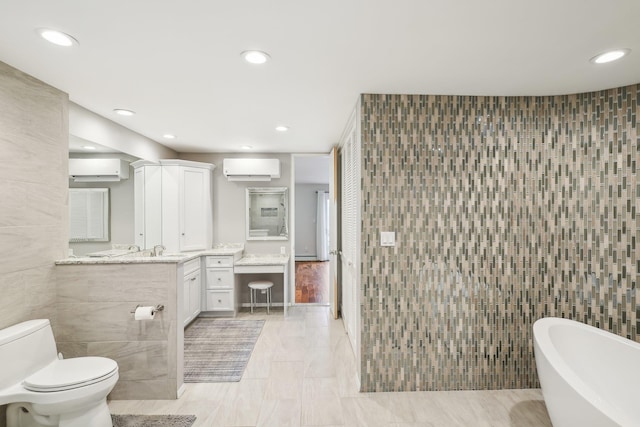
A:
[178,65]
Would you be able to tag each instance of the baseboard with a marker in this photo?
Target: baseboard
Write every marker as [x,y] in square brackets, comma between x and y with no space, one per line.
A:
[262,304]
[181,391]
[306,258]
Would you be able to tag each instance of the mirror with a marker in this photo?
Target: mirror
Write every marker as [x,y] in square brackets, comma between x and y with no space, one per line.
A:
[121,200]
[267,213]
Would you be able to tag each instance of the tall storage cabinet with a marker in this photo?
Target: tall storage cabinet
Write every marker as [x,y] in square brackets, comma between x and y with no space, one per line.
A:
[173,205]
[147,203]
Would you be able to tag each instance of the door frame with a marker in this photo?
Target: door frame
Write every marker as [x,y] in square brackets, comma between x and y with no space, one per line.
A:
[292,228]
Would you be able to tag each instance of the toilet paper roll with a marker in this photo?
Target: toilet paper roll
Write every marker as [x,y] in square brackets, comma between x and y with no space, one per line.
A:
[144,313]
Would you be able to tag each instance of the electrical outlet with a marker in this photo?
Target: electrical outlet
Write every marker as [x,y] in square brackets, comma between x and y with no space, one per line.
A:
[283,250]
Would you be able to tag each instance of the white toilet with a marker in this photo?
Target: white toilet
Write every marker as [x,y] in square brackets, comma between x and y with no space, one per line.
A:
[42,390]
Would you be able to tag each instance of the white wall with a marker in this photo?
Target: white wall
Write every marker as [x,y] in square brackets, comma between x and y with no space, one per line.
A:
[306,206]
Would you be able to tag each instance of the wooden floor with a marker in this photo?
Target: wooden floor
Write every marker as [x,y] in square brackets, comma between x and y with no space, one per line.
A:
[302,372]
[312,282]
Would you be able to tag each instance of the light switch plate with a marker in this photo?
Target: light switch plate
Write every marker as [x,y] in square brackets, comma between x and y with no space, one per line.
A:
[387,238]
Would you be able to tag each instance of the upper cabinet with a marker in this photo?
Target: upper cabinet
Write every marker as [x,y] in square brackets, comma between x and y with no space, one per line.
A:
[173,205]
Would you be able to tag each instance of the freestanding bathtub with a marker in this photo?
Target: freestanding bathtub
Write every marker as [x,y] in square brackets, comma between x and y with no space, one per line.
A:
[589,377]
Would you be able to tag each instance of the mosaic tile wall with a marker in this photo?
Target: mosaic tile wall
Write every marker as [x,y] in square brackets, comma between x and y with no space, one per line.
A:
[506,209]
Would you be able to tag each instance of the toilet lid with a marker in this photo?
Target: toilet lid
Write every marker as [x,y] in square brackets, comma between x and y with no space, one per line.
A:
[67,374]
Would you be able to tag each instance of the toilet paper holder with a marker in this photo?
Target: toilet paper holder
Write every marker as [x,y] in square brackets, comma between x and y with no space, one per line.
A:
[156,309]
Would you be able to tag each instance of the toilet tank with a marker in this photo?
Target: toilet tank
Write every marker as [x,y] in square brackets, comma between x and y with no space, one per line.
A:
[24,349]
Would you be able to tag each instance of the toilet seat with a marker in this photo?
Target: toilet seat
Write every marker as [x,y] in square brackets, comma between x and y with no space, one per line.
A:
[68,374]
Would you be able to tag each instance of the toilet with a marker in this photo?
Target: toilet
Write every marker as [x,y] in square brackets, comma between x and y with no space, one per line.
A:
[44,390]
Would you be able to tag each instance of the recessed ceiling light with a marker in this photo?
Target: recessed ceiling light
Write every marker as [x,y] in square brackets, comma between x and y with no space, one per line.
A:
[169,136]
[246,147]
[57,37]
[255,56]
[282,128]
[610,56]
[88,147]
[123,112]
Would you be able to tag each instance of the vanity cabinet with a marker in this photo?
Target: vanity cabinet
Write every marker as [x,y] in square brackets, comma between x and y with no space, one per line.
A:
[173,205]
[220,284]
[191,291]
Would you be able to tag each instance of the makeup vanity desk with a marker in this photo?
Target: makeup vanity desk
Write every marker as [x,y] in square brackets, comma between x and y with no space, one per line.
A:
[259,264]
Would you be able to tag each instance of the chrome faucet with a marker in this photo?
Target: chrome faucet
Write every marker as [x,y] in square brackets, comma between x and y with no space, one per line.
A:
[158,250]
[134,248]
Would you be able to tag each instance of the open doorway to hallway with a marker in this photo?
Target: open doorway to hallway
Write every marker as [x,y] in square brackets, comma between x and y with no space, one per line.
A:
[312,282]
[312,229]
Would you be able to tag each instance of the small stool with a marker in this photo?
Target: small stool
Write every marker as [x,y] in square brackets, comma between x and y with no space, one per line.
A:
[264,286]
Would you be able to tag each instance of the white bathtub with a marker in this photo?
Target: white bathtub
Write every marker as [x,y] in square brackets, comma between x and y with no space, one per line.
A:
[589,377]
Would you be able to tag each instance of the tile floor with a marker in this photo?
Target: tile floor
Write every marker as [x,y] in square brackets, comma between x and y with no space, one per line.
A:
[302,373]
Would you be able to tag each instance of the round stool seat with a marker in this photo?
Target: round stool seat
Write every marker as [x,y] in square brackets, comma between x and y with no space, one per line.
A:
[260,284]
[264,286]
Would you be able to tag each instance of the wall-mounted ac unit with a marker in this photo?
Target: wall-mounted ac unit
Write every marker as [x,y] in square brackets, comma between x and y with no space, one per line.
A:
[98,170]
[251,169]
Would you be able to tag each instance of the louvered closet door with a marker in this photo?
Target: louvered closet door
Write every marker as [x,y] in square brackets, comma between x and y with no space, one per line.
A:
[351,234]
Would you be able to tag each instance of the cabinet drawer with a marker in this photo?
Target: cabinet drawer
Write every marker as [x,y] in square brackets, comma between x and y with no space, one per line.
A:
[191,266]
[218,300]
[219,278]
[219,261]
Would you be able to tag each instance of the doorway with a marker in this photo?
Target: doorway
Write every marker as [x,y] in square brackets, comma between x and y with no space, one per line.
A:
[312,229]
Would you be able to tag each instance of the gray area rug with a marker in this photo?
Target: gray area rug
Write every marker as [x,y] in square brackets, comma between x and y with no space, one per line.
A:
[218,350]
[153,420]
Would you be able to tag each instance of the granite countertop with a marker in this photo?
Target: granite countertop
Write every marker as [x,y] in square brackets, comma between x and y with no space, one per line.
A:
[225,249]
[128,259]
[142,257]
[234,249]
[263,259]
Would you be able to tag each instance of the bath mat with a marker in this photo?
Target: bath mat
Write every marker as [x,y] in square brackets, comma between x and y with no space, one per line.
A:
[153,420]
[218,350]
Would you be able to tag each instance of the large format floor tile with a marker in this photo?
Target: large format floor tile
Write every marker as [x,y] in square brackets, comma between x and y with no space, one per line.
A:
[302,372]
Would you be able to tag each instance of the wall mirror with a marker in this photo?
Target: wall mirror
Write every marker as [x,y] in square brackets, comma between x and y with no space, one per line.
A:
[267,213]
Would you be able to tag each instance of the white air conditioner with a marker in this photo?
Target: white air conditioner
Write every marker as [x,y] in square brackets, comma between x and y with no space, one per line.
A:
[251,169]
[98,170]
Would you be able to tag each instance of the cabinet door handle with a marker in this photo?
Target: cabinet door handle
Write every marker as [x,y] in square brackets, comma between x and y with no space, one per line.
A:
[219,300]
[193,278]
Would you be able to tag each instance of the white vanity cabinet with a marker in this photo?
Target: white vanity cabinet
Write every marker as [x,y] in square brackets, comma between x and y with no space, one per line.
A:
[191,291]
[173,205]
[220,284]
